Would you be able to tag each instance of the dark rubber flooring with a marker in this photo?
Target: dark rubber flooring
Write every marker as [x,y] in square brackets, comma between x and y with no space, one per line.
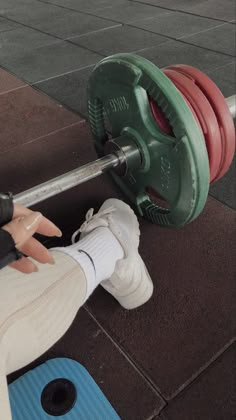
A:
[174,358]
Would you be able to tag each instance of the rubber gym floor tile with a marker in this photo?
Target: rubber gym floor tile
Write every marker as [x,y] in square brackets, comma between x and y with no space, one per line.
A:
[33,12]
[56,20]
[172,4]
[72,23]
[9,82]
[177,52]
[20,40]
[57,153]
[89,6]
[118,40]
[188,321]
[126,389]
[49,61]
[176,24]
[224,189]
[69,89]
[221,39]
[7,4]
[129,12]
[225,79]
[27,114]
[7,25]
[216,9]
[212,396]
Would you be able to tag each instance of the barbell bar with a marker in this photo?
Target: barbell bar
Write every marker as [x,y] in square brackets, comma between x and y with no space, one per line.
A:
[120,77]
[74,177]
[85,173]
[231,102]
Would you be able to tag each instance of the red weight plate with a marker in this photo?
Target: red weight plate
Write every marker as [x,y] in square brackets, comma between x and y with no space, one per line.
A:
[160,117]
[205,114]
[221,111]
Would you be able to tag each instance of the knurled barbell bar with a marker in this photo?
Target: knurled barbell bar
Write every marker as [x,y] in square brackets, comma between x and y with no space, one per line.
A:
[165,133]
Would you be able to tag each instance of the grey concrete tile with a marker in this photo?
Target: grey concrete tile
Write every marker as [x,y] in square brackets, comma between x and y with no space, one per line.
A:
[49,61]
[176,24]
[118,40]
[129,11]
[220,39]
[7,25]
[69,89]
[177,52]
[21,40]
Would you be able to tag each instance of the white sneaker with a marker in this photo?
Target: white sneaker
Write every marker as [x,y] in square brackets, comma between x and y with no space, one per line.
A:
[130,283]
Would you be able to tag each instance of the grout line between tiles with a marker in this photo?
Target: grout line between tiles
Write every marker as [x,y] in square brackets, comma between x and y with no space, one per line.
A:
[8,30]
[179,10]
[44,135]
[227,205]
[57,38]
[154,386]
[94,32]
[33,84]
[200,376]
[203,369]
[13,89]
[205,48]
[79,11]
[184,37]
[127,357]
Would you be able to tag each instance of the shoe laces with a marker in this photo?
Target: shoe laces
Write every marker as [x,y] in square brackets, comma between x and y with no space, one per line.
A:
[93,220]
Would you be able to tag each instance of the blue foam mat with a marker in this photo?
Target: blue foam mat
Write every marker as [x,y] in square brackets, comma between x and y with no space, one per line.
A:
[91,404]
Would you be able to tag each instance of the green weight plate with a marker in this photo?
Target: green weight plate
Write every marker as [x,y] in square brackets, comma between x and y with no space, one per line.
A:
[176,168]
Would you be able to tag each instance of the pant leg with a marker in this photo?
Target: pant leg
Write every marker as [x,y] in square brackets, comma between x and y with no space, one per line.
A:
[35,311]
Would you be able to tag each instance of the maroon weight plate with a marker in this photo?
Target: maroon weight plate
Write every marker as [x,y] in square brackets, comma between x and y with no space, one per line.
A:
[160,117]
[221,110]
[205,115]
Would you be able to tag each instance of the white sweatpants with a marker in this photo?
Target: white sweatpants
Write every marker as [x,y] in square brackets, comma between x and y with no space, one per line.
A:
[35,311]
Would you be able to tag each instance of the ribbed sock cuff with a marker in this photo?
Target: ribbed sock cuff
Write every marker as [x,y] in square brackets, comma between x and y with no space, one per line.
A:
[97,253]
[87,266]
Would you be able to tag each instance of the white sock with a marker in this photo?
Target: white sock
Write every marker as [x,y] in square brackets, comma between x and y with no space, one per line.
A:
[97,253]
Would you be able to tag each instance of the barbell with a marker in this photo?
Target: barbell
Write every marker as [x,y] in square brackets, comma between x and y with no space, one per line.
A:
[164,134]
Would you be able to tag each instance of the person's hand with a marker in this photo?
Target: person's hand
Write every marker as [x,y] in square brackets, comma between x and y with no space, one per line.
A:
[24,225]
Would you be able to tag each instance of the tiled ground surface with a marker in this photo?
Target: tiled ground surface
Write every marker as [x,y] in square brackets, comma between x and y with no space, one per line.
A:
[173,359]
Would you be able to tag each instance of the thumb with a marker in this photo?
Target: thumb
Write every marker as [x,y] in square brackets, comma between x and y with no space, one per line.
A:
[22,228]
